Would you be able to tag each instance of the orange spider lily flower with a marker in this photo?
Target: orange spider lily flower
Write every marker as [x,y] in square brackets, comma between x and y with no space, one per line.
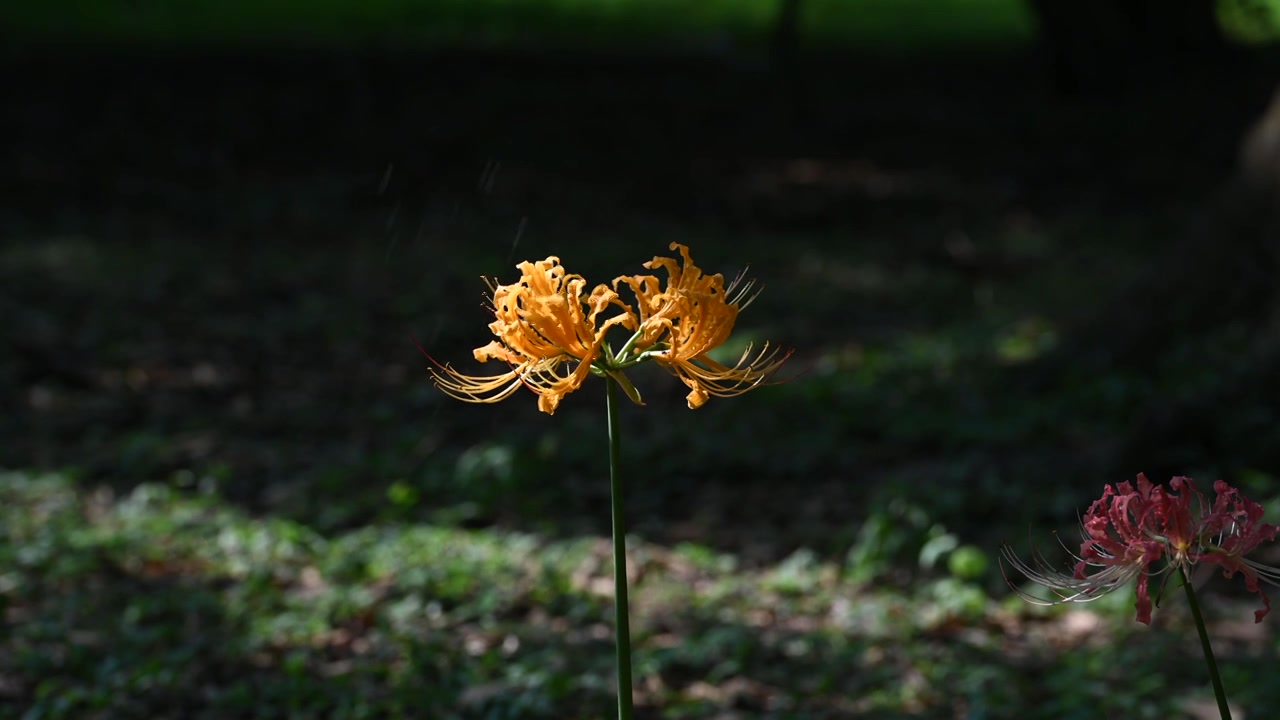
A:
[546,332]
[693,315]
[552,337]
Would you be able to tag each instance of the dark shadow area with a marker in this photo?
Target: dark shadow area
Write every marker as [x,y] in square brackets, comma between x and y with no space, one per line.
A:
[216,262]
[213,267]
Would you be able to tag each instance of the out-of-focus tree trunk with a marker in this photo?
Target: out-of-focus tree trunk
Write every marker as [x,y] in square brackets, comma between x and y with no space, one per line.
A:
[785,57]
[1260,158]
[786,31]
[1221,269]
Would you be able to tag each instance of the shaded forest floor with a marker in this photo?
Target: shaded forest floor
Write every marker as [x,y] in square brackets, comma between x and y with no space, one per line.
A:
[234,491]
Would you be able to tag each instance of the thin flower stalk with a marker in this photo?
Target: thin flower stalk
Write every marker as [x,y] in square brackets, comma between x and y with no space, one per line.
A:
[1215,678]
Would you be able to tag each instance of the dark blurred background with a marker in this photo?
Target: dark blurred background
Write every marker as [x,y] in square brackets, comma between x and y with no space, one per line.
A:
[1022,249]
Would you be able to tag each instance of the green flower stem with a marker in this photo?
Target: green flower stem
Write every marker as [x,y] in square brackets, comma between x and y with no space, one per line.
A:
[631,341]
[1218,691]
[622,626]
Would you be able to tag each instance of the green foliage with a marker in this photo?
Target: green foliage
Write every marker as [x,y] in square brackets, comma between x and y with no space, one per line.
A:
[164,601]
[898,531]
[968,562]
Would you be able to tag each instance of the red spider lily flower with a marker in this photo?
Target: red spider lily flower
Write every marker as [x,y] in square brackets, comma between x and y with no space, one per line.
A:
[1128,531]
[1233,530]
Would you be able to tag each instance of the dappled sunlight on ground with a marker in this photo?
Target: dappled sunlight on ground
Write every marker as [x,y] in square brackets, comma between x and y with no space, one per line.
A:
[364,613]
